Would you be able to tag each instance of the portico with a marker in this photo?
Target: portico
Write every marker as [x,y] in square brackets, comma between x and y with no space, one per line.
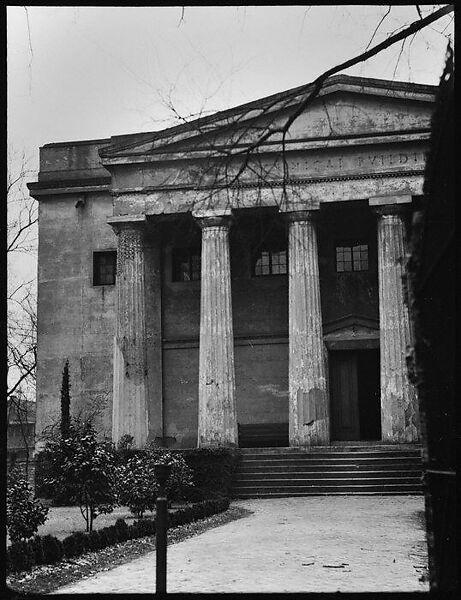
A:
[250,291]
[308,399]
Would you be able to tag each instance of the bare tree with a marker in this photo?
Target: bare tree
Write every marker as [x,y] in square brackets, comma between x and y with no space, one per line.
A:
[21,296]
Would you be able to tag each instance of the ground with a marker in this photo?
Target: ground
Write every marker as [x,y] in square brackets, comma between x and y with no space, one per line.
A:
[310,544]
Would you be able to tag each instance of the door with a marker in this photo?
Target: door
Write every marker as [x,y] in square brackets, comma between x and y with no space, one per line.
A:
[344,398]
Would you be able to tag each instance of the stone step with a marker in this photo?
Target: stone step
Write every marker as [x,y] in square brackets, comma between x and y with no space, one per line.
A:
[271,481]
[257,467]
[268,495]
[311,475]
[382,463]
[283,455]
[360,469]
[333,448]
[289,490]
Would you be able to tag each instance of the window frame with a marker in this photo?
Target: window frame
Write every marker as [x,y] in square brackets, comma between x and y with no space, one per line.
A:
[192,251]
[96,267]
[271,249]
[350,244]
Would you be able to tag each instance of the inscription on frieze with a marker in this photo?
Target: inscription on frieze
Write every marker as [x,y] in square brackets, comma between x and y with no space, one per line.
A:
[356,163]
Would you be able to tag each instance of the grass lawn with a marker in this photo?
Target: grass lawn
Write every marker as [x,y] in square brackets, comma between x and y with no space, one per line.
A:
[64,520]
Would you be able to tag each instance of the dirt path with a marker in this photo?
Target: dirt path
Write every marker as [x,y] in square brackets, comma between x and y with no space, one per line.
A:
[316,544]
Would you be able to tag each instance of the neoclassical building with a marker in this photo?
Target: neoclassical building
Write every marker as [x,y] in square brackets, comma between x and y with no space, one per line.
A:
[229,273]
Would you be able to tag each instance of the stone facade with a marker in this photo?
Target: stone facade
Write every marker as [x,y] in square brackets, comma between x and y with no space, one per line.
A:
[271,328]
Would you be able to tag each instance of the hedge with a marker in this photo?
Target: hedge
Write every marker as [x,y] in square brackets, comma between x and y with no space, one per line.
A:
[213,469]
[22,556]
[212,472]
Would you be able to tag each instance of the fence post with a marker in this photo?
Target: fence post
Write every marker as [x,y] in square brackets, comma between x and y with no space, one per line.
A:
[162,472]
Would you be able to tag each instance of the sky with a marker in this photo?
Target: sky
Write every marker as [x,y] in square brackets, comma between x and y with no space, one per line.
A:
[85,72]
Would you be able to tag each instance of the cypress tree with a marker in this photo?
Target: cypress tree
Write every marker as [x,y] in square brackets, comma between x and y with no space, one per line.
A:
[65,400]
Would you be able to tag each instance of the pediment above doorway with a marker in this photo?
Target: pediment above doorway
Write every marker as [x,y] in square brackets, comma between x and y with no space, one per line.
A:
[351,332]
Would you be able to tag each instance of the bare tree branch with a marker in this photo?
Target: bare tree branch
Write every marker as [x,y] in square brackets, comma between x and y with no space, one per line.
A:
[378,26]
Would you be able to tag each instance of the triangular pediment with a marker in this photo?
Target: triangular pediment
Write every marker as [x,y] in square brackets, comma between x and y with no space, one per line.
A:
[346,107]
[351,327]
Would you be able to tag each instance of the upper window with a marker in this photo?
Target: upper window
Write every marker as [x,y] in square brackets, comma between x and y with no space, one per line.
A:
[270,262]
[104,267]
[186,264]
[351,257]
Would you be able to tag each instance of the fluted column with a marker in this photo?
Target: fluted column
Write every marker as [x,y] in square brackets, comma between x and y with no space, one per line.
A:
[309,422]
[217,419]
[130,412]
[399,406]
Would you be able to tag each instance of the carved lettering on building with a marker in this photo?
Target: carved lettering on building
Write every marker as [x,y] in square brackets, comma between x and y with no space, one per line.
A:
[357,163]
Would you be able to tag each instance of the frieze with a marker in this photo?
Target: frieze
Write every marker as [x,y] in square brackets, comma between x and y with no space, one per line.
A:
[359,164]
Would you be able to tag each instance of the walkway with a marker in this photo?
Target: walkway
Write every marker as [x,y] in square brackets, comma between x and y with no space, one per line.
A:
[310,544]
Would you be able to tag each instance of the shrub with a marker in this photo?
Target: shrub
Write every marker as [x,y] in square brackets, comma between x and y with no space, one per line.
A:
[23,513]
[137,486]
[122,529]
[94,540]
[180,482]
[75,544]
[69,546]
[53,549]
[37,547]
[20,556]
[103,538]
[83,468]
[212,471]
[112,534]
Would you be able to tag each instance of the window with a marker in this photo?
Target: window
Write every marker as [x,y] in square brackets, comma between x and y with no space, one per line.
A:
[270,262]
[104,267]
[351,257]
[186,264]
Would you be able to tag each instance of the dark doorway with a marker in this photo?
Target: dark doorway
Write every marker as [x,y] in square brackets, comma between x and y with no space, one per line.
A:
[354,395]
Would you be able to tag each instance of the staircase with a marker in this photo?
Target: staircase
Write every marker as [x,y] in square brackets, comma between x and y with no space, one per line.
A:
[328,470]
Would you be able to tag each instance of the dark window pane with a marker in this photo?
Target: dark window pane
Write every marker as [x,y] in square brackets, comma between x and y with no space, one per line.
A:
[104,267]
[186,264]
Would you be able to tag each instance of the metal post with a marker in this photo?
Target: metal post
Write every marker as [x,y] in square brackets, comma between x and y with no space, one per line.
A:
[161,526]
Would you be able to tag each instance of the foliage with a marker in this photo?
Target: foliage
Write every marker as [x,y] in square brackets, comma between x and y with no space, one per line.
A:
[212,471]
[83,467]
[22,556]
[180,481]
[136,484]
[53,549]
[65,400]
[23,513]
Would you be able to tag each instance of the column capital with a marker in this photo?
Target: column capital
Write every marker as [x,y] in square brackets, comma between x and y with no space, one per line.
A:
[301,215]
[213,218]
[390,205]
[127,222]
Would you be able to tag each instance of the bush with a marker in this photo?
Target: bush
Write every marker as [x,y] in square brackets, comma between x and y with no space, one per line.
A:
[20,556]
[75,544]
[37,547]
[112,534]
[83,468]
[23,513]
[137,486]
[69,546]
[53,550]
[212,471]
[94,540]
[103,538]
[122,529]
